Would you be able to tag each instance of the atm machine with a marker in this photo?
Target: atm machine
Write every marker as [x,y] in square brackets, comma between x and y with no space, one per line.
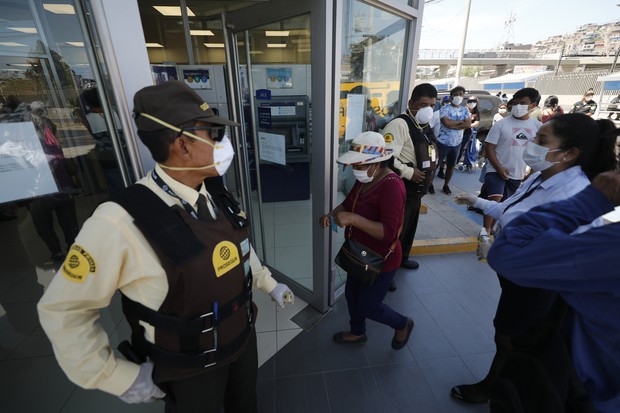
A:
[284,131]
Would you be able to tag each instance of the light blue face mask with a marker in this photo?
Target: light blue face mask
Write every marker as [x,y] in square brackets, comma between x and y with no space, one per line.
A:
[535,156]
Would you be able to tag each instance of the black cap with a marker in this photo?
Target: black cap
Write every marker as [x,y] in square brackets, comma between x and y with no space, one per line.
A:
[172,102]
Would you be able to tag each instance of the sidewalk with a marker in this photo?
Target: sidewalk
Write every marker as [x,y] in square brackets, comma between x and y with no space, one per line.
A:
[447,227]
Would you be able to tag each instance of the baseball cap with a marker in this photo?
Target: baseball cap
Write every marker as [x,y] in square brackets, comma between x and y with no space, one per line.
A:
[445,99]
[172,102]
[366,148]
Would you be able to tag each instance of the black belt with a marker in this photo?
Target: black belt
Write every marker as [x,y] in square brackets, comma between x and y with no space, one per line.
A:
[187,327]
[202,359]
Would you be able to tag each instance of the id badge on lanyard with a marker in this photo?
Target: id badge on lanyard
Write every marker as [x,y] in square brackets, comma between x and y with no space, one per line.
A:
[431,153]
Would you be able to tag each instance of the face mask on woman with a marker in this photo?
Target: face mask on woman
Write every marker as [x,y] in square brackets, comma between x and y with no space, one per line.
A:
[535,156]
[456,100]
[501,111]
[424,115]
[362,175]
[471,105]
[520,110]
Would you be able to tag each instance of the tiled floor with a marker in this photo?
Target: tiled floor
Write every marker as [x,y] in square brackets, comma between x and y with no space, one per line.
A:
[452,299]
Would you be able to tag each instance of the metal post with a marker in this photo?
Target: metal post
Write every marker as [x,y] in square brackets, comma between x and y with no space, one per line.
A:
[459,62]
[557,66]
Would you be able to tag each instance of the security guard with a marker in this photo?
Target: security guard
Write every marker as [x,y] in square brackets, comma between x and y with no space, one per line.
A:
[411,138]
[176,246]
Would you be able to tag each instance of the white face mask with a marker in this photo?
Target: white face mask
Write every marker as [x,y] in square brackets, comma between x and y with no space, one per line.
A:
[223,154]
[501,111]
[520,110]
[362,176]
[424,115]
[535,156]
[471,105]
[457,100]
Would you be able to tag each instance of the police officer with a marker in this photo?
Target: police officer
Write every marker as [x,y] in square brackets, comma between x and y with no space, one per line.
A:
[181,258]
[411,138]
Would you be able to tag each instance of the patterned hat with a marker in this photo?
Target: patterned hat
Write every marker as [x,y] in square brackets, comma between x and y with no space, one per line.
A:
[366,148]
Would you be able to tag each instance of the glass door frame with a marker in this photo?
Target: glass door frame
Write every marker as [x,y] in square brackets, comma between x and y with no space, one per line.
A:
[321,21]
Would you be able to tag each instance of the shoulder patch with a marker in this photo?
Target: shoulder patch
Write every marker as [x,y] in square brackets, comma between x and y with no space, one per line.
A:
[389,138]
[78,264]
[225,257]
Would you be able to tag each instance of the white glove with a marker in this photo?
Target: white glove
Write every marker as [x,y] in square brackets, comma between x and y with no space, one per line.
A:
[143,390]
[465,199]
[483,249]
[281,294]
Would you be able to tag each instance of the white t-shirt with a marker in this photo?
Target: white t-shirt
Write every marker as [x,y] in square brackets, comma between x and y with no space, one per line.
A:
[511,135]
[436,123]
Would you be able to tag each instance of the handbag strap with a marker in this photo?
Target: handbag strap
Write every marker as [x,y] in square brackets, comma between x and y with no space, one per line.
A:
[391,250]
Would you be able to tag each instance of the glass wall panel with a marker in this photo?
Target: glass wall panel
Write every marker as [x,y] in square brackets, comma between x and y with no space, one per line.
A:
[373,47]
[57,156]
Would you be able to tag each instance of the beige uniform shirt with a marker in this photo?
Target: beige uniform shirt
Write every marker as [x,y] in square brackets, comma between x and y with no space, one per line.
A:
[396,134]
[111,253]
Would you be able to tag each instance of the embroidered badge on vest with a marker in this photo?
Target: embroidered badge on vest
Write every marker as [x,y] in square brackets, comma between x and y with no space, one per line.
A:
[388,137]
[225,257]
[78,264]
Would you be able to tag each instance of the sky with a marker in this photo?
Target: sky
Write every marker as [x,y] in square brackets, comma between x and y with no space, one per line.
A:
[443,20]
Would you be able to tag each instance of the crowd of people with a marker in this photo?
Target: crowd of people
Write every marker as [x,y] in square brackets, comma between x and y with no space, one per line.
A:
[548,179]
[535,157]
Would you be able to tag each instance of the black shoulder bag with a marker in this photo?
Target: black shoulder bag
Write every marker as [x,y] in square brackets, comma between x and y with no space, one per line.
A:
[358,260]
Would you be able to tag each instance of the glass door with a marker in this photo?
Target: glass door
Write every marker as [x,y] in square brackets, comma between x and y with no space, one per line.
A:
[275,79]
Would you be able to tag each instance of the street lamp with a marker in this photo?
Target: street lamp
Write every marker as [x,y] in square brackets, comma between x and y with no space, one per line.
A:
[459,62]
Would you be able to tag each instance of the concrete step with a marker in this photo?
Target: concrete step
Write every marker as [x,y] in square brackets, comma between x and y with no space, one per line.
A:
[444,246]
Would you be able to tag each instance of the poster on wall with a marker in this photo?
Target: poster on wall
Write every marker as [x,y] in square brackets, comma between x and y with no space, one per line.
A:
[271,148]
[281,78]
[164,73]
[196,78]
[356,104]
[24,169]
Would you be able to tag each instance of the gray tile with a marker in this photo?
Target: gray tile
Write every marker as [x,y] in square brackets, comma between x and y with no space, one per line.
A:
[35,345]
[404,389]
[353,391]
[478,364]
[302,394]
[300,356]
[461,330]
[33,385]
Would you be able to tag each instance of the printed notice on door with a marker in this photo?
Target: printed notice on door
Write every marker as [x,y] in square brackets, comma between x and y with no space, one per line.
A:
[24,168]
[272,148]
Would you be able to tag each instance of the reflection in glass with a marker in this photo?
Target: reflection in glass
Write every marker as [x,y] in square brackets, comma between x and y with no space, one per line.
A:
[51,171]
[373,46]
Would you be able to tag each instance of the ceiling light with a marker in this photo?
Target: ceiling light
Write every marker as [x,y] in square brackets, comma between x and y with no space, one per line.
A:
[173,11]
[20,64]
[303,50]
[256,52]
[218,45]
[76,44]
[201,33]
[276,45]
[154,45]
[12,44]
[23,29]
[59,8]
[275,33]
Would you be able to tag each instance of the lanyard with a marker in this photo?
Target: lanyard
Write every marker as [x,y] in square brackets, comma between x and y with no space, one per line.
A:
[534,186]
[160,182]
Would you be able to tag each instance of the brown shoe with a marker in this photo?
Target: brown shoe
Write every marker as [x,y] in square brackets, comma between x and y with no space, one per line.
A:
[340,338]
[398,344]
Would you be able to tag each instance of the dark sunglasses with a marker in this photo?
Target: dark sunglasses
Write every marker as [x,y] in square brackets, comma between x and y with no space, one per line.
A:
[215,132]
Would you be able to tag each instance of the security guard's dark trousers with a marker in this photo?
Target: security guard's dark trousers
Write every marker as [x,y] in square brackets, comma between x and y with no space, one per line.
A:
[231,386]
[412,214]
